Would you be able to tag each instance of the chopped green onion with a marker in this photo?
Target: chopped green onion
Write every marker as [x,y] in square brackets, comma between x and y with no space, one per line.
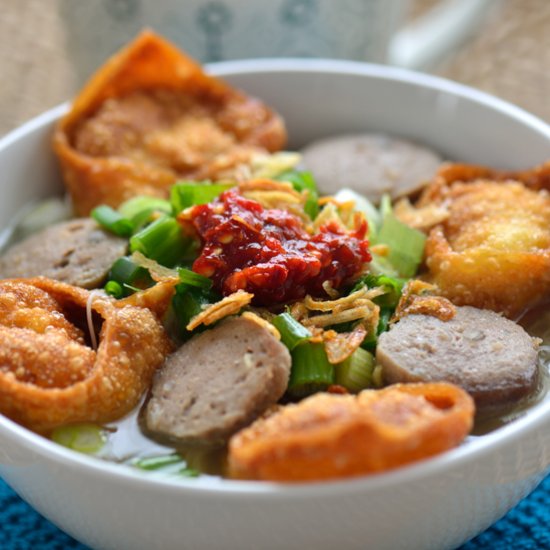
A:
[385,206]
[162,241]
[84,438]
[311,370]
[405,243]
[111,220]
[380,265]
[191,278]
[140,210]
[270,166]
[189,472]
[190,193]
[292,332]
[355,373]
[392,285]
[303,181]
[113,288]
[377,376]
[153,463]
[131,288]
[384,319]
[189,301]
[157,462]
[126,272]
[136,205]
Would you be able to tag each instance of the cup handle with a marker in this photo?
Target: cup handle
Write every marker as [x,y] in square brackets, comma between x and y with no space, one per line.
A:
[420,44]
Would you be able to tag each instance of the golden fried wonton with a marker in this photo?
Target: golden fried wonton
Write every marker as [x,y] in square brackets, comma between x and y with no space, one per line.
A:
[493,250]
[329,436]
[50,374]
[149,116]
[536,178]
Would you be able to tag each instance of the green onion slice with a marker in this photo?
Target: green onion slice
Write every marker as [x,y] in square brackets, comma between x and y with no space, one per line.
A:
[405,243]
[303,181]
[112,220]
[392,285]
[141,209]
[126,272]
[113,288]
[157,462]
[292,332]
[162,241]
[189,301]
[355,373]
[311,370]
[136,205]
[385,206]
[191,193]
[189,277]
[189,472]
[84,438]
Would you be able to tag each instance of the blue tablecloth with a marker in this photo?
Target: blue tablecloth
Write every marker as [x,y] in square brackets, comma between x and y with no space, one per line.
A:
[526,527]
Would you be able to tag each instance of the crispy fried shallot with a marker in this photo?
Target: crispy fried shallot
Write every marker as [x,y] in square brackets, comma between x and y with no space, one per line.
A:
[230,305]
[329,436]
[422,218]
[421,298]
[50,376]
[357,306]
[250,315]
[275,194]
[340,345]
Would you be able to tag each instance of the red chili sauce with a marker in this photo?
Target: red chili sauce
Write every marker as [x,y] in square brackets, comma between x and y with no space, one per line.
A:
[269,253]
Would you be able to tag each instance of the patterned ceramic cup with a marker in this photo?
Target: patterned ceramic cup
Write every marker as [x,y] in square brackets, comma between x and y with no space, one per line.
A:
[215,30]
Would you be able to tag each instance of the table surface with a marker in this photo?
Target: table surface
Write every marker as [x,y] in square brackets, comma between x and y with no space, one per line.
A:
[508,56]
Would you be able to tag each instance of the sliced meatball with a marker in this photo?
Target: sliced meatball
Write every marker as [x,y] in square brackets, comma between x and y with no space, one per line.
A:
[77,252]
[371,164]
[489,356]
[217,383]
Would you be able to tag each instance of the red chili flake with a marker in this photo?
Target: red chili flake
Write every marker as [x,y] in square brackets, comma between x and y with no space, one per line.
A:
[269,253]
[336,388]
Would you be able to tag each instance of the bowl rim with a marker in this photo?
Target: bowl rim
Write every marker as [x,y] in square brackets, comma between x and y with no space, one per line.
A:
[476,448]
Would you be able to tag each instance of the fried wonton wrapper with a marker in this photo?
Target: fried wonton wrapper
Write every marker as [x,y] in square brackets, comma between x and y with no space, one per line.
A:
[535,178]
[493,251]
[330,436]
[149,116]
[50,376]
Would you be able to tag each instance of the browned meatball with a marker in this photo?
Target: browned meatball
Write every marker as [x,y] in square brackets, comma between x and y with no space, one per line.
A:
[489,356]
[217,383]
[77,252]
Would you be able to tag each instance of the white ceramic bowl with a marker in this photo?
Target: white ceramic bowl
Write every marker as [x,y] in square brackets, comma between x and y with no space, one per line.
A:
[438,503]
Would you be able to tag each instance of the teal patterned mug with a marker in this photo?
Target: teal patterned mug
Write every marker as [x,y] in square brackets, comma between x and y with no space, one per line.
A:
[215,30]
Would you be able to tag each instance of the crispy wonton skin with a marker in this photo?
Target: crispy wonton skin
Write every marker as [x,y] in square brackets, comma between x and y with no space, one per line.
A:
[535,178]
[493,251]
[49,373]
[150,116]
[329,436]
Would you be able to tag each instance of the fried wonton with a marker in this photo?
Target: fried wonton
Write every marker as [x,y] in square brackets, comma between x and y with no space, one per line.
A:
[493,250]
[536,178]
[50,371]
[329,436]
[150,116]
